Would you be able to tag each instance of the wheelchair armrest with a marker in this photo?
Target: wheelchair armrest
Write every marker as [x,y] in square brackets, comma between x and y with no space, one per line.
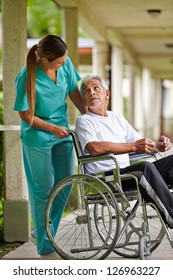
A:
[89,158]
[137,157]
[99,156]
[82,159]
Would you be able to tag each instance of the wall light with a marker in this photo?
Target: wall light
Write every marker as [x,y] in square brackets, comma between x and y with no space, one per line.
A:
[169,45]
[154,13]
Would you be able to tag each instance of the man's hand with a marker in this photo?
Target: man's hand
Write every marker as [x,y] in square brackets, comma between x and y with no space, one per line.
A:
[163,144]
[144,145]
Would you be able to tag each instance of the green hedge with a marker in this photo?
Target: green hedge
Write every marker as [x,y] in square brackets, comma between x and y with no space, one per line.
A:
[1,121]
[1,172]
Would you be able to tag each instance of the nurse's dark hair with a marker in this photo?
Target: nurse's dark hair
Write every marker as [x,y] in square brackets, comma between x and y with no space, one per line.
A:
[50,47]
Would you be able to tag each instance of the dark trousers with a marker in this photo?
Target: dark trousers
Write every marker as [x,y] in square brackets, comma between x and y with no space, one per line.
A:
[154,178]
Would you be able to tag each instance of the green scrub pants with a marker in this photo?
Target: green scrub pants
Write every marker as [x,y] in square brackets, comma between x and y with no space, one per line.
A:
[44,168]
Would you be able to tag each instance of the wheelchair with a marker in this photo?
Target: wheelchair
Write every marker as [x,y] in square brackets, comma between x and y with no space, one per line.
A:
[99,217]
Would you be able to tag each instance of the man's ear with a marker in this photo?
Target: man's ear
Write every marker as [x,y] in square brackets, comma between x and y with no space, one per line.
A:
[107,94]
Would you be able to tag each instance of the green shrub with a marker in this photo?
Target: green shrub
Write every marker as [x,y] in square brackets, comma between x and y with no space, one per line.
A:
[1,172]
[0,107]
[1,152]
[1,220]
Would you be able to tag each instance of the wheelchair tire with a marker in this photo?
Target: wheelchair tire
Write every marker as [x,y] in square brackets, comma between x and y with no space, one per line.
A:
[72,202]
[128,247]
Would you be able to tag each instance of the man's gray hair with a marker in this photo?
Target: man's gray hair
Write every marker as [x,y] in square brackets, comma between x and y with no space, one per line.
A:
[88,78]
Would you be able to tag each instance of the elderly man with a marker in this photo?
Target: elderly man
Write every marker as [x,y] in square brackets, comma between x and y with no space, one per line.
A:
[101,131]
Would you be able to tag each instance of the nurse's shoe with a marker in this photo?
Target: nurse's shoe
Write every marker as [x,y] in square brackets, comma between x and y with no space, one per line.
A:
[52,256]
[32,237]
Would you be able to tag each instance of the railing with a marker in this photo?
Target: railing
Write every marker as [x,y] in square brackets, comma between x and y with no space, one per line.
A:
[17,127]
[9,127]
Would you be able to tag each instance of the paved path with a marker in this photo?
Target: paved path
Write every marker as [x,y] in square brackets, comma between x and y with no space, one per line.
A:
[27,251]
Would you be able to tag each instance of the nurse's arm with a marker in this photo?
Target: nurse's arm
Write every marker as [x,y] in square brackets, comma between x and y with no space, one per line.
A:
[58,131]
[77,100]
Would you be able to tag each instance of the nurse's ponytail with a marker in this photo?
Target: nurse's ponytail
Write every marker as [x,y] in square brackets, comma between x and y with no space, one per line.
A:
[31,80]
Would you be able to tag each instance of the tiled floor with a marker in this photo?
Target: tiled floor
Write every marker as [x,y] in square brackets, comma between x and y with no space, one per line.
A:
[27,251]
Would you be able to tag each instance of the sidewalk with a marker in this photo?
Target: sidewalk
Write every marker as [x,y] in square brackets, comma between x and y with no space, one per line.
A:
[27,251]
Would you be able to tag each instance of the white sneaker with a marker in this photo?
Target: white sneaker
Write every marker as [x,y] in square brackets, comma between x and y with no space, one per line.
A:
[52,256]
[32,237]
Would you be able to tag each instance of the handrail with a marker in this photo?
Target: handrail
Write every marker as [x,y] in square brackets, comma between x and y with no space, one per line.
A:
[7,127]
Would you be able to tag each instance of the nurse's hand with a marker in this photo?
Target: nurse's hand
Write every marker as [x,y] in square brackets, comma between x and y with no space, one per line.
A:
[60,131]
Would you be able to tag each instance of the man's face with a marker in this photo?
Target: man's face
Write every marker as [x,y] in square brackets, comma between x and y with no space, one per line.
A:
[94,94]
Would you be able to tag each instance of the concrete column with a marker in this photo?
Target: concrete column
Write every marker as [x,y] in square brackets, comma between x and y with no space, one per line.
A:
[131,109]
[155,108]
[168,99]
[100,59]
[149,105]
[116,80]
[168,114]
[167,108]
[138,108]
[145,93]
[16,214]
[70,32]
[70,36]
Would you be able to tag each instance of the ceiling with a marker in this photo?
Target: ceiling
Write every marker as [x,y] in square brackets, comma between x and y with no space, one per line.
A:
[146,40]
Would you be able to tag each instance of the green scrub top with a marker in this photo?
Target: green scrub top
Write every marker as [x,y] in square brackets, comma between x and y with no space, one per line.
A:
[50,102]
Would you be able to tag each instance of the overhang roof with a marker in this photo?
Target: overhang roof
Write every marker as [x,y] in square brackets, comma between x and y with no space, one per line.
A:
[147,41]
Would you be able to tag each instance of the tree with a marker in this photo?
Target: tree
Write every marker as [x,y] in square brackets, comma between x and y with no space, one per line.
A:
[43,17]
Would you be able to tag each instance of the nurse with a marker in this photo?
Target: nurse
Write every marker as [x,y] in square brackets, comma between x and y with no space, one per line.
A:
[42,87]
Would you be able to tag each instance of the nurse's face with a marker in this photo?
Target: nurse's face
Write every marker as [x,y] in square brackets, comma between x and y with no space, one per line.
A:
[58,62]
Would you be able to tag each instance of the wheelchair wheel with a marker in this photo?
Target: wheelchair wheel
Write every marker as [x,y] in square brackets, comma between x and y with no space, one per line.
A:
[74,234]
[127,244]
[132,239]
[101,216]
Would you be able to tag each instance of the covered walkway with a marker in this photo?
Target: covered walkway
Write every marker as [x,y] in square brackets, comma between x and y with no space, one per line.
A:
[131,48]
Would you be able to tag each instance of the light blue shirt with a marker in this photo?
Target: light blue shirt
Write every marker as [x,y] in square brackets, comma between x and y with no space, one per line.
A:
[50,102]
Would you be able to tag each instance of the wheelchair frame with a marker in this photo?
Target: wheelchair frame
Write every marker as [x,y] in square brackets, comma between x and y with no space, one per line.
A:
[98,217]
